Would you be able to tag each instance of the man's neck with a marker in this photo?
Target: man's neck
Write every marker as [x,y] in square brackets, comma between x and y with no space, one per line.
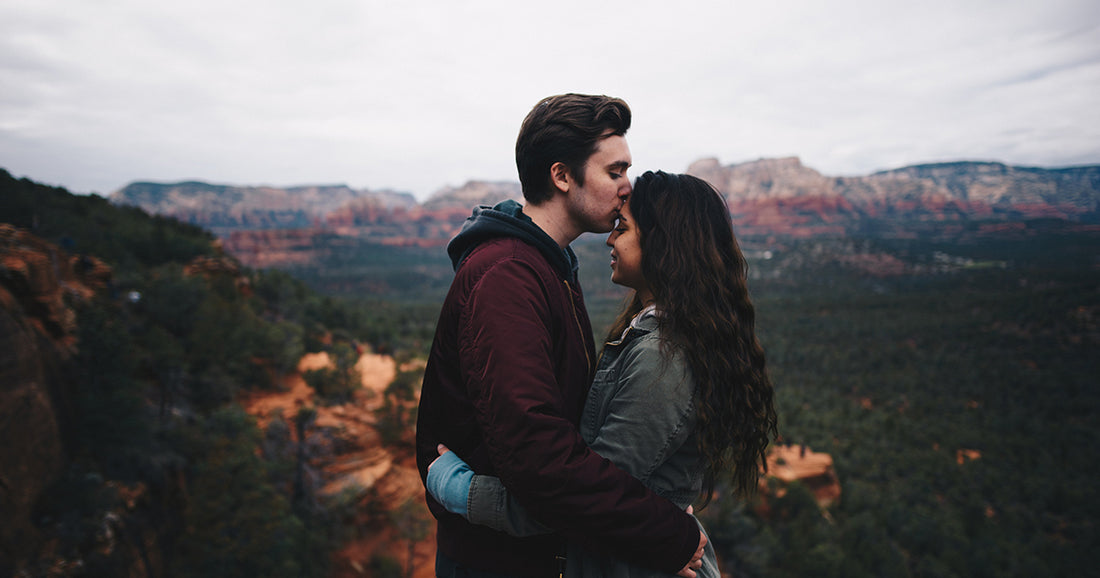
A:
[553,219]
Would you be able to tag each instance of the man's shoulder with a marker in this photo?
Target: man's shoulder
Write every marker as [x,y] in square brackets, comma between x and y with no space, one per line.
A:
[507,269]
[494,251]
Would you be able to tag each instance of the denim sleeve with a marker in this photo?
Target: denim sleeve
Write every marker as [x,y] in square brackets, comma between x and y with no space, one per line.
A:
[448,481]
[490,504]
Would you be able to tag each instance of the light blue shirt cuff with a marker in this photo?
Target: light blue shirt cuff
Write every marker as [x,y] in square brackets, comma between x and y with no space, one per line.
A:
[449,481]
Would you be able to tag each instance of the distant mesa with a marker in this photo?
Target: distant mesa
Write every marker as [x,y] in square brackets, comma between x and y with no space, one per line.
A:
[784,197]
[223,208]
[474,193]
[943,190]
[768,198]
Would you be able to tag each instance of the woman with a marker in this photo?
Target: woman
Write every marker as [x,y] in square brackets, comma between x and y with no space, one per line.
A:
[681,398]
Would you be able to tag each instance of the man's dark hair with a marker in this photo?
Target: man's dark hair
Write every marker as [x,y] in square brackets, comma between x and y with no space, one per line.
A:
[565,128]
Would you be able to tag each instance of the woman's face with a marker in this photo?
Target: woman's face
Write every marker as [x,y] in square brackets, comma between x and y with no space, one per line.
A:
[626,254]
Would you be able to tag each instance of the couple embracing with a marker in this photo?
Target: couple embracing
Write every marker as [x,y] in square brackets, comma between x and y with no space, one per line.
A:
[542,459]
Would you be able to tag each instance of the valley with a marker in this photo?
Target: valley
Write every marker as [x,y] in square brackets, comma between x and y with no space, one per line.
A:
[934,373]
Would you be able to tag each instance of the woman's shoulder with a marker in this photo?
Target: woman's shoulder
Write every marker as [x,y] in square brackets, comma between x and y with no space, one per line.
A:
[652,358]
[653,344]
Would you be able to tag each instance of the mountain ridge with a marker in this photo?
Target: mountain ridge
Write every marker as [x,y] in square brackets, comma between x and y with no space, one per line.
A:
[985,181]
[768,198]
[991,182]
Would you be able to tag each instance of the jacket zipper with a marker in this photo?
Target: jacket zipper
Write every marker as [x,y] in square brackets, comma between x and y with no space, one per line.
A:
[580,328]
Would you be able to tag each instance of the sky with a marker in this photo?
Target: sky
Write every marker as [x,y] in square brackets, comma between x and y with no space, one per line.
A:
[417,96]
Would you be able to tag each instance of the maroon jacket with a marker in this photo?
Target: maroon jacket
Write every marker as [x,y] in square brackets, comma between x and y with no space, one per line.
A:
[506,380]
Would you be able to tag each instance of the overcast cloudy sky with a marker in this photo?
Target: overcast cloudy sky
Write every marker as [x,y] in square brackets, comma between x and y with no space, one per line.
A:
[415,96]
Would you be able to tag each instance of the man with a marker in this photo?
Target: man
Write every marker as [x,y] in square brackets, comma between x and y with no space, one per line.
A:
[513,357]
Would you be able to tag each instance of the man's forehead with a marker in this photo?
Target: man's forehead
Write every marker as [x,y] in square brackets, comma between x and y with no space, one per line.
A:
[612,150]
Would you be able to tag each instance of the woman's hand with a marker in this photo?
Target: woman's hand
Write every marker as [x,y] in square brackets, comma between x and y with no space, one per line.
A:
[442,449]
[696,562]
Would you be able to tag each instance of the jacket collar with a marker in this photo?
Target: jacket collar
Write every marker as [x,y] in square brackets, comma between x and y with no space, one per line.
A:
[506,219]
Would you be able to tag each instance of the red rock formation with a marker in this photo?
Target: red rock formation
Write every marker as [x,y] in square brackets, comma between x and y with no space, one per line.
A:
[272,247]
[354,464]
[219,266]
[39,284]
[783,197]
[768,198]
[797,463]
[965,455]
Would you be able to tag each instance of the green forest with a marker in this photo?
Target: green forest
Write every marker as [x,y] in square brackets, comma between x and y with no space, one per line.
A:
[994,355]
[893,380]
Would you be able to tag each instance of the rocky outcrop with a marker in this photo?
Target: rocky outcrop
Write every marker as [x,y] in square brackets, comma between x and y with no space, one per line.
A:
[347,449]
[219,266]
[797,463]
[39,286]
[350,464]
[44,281]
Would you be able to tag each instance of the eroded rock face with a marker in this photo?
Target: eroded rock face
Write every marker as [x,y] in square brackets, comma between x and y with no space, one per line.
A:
[343,444]
[31,451]
[784,197]
[39,284]
[44,281]
[798,463]
[346,461]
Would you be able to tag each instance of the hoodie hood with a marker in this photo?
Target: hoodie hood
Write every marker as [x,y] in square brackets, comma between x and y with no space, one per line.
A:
[506,219]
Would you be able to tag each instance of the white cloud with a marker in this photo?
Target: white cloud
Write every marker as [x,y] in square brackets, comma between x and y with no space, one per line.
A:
[415,96]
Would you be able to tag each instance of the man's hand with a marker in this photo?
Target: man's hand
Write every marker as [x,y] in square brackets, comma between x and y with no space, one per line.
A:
[696,562]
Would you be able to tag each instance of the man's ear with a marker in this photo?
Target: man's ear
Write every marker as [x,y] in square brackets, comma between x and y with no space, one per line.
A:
[561,177]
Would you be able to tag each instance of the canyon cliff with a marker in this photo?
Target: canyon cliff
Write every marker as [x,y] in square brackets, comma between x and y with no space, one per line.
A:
[40,284]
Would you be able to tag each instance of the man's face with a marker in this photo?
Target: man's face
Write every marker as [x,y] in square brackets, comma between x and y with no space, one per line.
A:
[595,205]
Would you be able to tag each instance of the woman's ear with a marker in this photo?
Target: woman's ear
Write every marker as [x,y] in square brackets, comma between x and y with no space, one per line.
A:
[561,177]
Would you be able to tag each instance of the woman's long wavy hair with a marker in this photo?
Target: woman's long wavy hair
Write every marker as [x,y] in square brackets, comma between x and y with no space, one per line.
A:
[694,267]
